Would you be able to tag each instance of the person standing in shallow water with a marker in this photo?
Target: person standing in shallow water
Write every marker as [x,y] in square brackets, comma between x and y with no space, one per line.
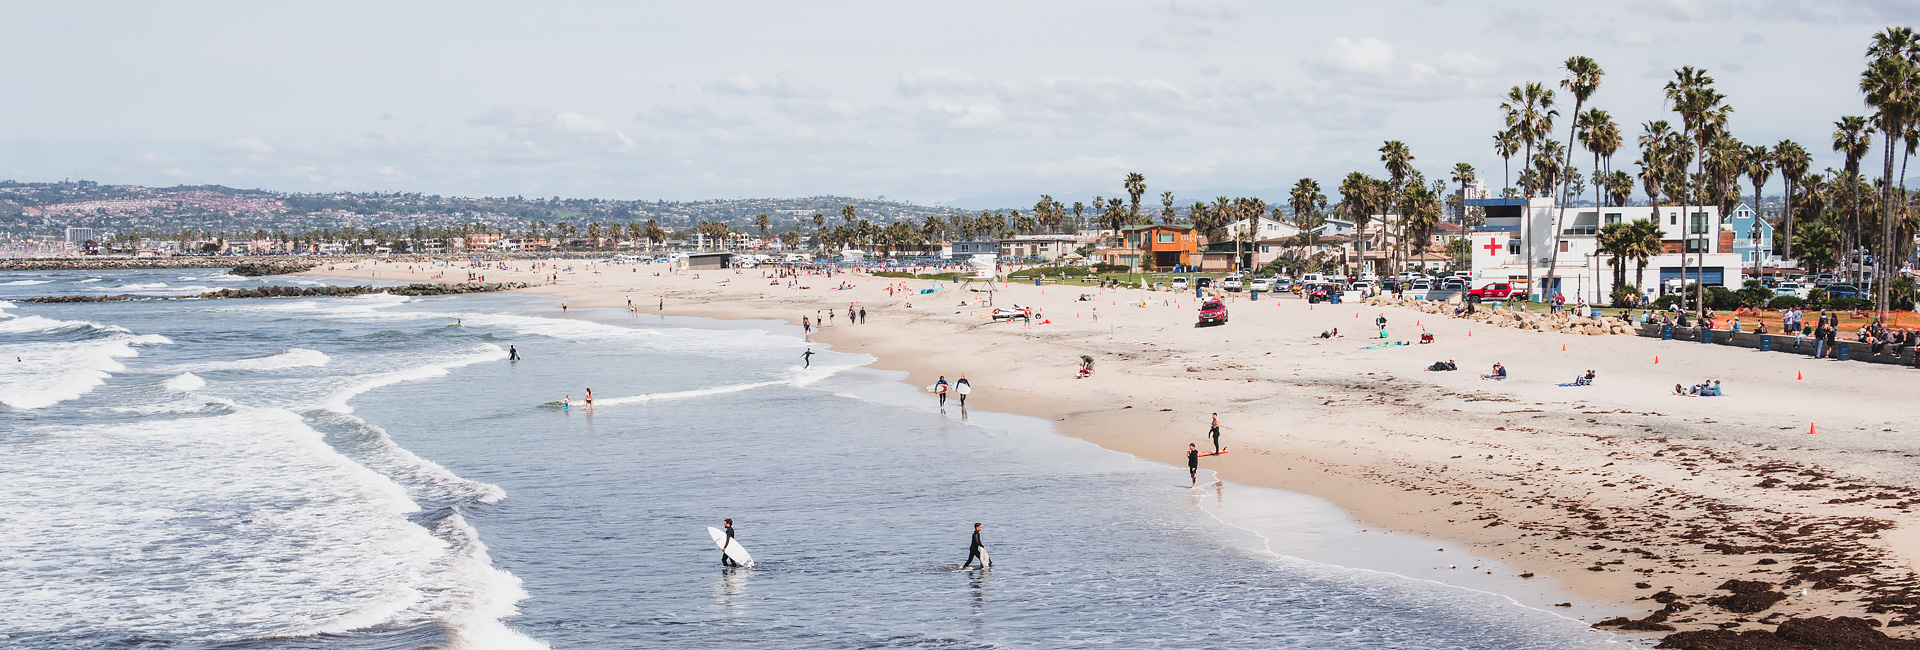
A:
[940,390]
[974,549]
[1193,465]
[963,388]
[724,560]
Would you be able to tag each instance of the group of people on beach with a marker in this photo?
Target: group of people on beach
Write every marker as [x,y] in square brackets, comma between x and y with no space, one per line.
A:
[960,388]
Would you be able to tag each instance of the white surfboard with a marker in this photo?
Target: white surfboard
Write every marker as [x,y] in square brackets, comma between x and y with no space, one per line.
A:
[731,547]
[985,561]
[965,389]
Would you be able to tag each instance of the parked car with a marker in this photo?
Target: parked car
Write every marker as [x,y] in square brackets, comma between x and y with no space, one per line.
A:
[1260,284]
[1492,291]
[1231,283]
[1213,312]
[1453,284]
[1421,284]
[1202,282]
[1790,288]
[1824,279]
[1844,291]
[1179,283]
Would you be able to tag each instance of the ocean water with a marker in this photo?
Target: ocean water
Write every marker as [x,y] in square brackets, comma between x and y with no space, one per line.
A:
[372,472]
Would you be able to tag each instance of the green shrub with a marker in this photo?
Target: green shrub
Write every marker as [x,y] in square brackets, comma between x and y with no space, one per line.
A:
[1624,295]
[1109,268]
[1843,304]
[1817,299]
[1721,299]
[1666,301]
[1787,302]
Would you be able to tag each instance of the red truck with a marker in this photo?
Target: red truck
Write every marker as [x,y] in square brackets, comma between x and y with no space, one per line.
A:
[1212,312]
[1492,291]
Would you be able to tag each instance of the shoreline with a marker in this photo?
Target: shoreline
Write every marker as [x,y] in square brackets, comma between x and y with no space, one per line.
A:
[1642,498]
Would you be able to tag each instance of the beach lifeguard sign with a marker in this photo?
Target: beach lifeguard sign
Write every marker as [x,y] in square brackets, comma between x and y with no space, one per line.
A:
[1491,249]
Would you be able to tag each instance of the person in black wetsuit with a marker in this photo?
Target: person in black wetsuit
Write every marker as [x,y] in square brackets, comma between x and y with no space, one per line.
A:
[724,560]
[973,550]
[513,353]
[1193,464]
[806,358]
[1215,432]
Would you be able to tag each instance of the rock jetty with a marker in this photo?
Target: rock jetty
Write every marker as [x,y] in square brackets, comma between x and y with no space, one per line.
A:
[1564,322]
[257,269]
[274,291]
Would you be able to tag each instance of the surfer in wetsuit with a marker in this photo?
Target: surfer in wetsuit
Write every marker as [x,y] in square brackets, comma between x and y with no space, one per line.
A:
[724,560]
[1193,464]
[806,358]
[973,550]
[513,353]
[1215,432]
[963,387]
[940,389]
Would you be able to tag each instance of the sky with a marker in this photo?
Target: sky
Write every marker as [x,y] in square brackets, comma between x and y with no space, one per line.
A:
[928,102]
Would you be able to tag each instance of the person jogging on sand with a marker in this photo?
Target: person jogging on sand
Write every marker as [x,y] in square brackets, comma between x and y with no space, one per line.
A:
[974,549]
[1193,464]
[1215,432]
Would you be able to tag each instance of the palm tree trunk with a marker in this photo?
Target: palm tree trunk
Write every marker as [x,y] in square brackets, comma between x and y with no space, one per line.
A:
[1566,160]
[1786,217]
[1881,292]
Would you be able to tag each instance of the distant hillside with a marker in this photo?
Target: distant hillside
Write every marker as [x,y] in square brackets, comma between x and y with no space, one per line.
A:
[1181,198]
[46,209]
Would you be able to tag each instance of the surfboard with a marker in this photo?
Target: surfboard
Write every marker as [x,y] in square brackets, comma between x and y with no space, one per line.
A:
[965,389]
[732,548]
[1212,453]
[984,560]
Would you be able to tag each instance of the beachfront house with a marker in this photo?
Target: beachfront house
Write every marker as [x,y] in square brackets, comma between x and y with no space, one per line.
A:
[1752,237]
[961,250]
[1036,248]
[1161,247]
[1581,270]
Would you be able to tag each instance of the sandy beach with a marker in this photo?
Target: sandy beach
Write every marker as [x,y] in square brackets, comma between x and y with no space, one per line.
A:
[1645,504]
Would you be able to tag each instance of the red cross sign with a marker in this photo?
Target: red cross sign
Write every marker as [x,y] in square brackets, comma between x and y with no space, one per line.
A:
[1493,246]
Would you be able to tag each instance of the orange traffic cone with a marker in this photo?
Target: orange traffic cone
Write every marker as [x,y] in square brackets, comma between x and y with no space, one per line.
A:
[1416,323]
[1656,359]
[1469,333]
[1563,347]
[1811,431]
[1797,376]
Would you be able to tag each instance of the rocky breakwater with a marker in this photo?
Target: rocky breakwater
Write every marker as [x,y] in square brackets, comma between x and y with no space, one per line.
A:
[1564,322]
[257,269]
[274,291]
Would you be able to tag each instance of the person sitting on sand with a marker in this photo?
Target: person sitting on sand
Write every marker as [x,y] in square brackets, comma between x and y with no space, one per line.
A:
[1499,372]
[1584,380]
[1441,366]
[1680,390]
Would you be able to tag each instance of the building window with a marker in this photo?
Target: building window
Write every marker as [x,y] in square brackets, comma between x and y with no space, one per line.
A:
[1696,245]
[1699,223]
[1166,238]
[1513,247]
[1673,218]
[1613,217]
[1563,245]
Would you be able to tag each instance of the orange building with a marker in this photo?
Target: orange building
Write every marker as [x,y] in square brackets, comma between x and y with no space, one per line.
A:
[1156,247]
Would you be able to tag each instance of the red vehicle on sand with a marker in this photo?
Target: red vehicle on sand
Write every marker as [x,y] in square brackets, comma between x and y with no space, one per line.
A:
[1212,312]
[1494,291]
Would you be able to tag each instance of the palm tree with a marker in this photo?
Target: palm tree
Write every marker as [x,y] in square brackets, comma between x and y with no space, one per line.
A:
[1583,77]
[1646,243]
[1303,198]
[1612,240]
[1136,186]
[1529,115]
[1167,213]
[1793,161]
[847,212]
[1851,139]
[1760,164]
[1398,161]
[1703,116]
[1506,144]
[1891,83]
[1464,175]
[763,221]
[1657,144]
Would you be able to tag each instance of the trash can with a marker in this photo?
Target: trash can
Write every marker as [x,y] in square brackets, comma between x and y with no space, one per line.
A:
[1846,351]
[1766,342]
[1666,332]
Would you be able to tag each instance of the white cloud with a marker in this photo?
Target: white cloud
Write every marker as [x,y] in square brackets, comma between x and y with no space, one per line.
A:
[529,133]
[938,80]
[250,146]
[971,117]
[1636,37]
[1466,65]
[1370,56]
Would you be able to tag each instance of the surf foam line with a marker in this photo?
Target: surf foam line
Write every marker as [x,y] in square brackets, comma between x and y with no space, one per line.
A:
[288,358]
[337,401]
[799,378]
[64,371]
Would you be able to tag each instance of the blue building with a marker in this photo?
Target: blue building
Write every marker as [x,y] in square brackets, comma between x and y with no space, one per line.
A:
[1750,248]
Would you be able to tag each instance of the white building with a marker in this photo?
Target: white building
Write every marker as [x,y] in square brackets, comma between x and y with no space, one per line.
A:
[1580,270]
[1264,228]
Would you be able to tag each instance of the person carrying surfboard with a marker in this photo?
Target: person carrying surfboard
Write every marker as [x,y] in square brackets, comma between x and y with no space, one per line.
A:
[1193,464]
[940,389]
[976,550]
[724,560]
[963,388]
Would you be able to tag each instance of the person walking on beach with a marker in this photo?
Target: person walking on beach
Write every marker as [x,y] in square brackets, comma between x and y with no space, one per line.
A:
[806,359]
[963,388]
[940,390]
[589,399]
[724,560]
[1193,465]
[1214,432]
[863,315]
[513,353]
[974,549]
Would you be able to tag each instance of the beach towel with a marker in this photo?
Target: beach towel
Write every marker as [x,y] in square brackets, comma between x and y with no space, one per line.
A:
[1382,346]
